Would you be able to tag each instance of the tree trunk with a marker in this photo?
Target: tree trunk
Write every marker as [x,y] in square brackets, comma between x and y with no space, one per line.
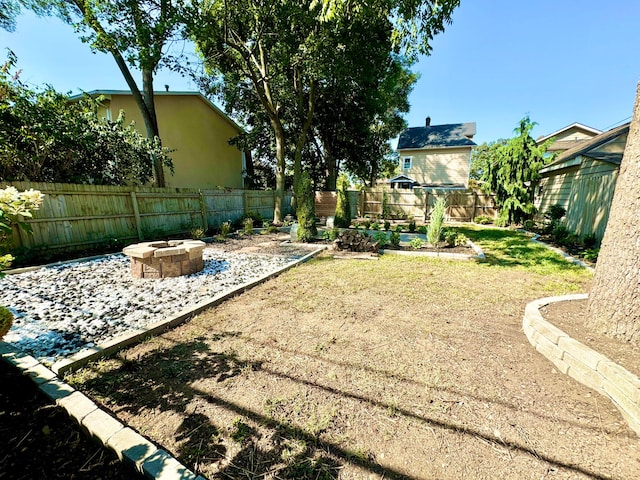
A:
[151,122]
[280,166]
[614,300]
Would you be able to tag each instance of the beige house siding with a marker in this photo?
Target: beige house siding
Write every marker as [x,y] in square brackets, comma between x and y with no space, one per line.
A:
[584,191]
[197,133]
[438,166]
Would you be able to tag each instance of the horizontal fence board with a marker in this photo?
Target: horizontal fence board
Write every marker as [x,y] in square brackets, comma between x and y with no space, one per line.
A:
[83,216]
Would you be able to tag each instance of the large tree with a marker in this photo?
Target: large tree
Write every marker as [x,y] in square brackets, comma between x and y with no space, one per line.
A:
[285,50]
[614,300]
[510,171]
[135,33]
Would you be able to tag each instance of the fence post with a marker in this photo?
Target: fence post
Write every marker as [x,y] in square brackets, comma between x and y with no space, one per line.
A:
[475,205]
[136,213]
[203,211]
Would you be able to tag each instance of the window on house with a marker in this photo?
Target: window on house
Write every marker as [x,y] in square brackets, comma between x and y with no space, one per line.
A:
[406,163]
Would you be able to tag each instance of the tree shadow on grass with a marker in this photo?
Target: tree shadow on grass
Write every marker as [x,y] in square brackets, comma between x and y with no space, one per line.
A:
[165,380]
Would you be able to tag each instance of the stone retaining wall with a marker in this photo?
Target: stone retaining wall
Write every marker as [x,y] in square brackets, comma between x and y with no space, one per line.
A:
[582,363]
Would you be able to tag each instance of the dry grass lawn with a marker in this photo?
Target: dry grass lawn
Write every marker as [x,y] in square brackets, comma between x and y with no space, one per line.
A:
[397,368]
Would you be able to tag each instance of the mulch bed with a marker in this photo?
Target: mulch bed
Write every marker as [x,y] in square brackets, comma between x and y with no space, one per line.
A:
[38,440]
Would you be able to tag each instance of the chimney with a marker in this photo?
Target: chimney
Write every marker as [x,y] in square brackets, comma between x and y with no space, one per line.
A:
[166,87]
[428,121]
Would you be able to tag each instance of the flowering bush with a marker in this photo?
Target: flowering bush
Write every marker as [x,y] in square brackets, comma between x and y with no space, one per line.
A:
[15,205]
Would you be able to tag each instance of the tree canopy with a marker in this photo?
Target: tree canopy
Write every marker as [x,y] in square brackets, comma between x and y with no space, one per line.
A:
[301,64]
[45,137]
[509,170]
[135,33]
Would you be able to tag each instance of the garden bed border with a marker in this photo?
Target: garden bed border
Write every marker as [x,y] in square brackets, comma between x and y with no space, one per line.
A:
[582,363]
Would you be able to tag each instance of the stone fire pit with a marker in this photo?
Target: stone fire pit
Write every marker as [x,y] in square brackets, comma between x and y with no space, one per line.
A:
[165,259]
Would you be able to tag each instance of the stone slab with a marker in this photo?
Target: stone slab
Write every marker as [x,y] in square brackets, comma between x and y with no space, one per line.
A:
[56,389]
[162,466]
[131,447]
[40,374]
[78,405]
[168,252]
[101,425]
[138,251]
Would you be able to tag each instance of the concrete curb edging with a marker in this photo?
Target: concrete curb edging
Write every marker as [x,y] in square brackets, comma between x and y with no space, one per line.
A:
[581,362]
[479,254]
[83,357]
[130,447]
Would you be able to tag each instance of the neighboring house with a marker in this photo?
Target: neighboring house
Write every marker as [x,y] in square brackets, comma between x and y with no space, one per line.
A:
[194,128]
[568,137]
[582,180]
[435,156]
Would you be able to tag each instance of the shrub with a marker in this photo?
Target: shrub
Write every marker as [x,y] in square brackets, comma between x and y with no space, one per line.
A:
[455,239]
[197,233]
[225,229]
[436,222]
[306,209]
[375,226]
[416,243]
[398,228]
[394,239]
[560,232]
[528,225]
[386,210]
[387,225]
[6,320]
[330,235]
[366,224]
[247,226]
[422,229]
[381,238]
[412,225]
[555,213]
[502,220]
[343,209]
[270,229]
[590,240]
[483,219]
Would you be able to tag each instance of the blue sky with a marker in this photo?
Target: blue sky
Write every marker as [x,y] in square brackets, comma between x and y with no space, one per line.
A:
[558,61]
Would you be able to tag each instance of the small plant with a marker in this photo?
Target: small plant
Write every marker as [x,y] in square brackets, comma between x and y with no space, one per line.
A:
[387,225]
[398,229]
[6,320]
[591,254]
[247,225]
[366,224]
[455,239]
[436,222]
[528,225]
[241,431]
[560,232]
[225,229]
[422,229]
[483,220]
[197,233]
[375,226]
[412,225]
[502,220]
[269,228]
[386,209]
[330,235]
[381,238]
[416,243]
[394,239]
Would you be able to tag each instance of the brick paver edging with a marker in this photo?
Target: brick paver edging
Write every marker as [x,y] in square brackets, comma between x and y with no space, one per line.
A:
[582,363]
[130,447]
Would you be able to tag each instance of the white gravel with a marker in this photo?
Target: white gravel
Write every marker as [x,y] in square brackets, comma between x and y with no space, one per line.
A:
[62,309]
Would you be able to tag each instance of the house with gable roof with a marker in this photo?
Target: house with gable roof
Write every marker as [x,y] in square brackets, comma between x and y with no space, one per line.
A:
[435,156]
[582,180]
[568,137]
[196,131]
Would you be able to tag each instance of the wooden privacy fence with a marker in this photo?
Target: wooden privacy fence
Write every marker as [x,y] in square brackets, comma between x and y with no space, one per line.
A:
[463,205]
[81,216]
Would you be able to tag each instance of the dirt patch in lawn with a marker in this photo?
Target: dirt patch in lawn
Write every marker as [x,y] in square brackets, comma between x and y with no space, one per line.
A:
[401,368]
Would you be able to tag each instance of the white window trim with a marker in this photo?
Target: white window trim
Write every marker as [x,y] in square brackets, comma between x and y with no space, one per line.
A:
[404,159]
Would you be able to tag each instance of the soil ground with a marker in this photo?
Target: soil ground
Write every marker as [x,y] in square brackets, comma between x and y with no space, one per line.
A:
[38,441]
[401,368]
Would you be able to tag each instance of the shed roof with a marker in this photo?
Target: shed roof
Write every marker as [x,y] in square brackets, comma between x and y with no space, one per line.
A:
[586,149]
[575,125]
[438,136]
